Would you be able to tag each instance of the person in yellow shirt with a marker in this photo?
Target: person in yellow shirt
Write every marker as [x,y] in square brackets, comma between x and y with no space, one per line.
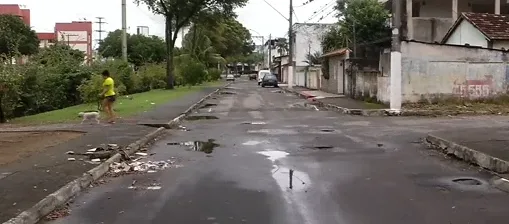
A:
[108,95]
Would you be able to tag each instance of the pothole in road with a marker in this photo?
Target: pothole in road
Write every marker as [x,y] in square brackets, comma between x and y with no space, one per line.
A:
[227,93]
[201,117]
[206,147]
[322,147]
[467,181]
[207,105]
[277,91]
[327,130]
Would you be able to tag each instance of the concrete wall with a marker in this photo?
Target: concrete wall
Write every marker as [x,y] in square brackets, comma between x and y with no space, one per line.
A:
[466,33]
[365,84]
[431,71]
[336,76]
[431,29]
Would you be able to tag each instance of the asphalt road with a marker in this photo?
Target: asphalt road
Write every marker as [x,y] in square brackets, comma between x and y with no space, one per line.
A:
[346,170]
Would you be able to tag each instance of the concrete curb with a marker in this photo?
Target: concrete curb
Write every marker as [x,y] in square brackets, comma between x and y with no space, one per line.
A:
[344,110]
[62,195]
[388,112]
[467,154]
[500,183]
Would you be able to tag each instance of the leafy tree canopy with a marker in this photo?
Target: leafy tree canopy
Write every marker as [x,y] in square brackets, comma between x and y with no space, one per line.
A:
[180,13]
[16,37]
[141,49]
[369,18]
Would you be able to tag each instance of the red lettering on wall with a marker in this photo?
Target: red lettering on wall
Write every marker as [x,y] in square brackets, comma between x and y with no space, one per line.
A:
[474,88]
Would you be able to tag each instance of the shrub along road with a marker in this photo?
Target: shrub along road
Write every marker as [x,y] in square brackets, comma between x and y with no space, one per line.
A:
[28,180]
[346,169]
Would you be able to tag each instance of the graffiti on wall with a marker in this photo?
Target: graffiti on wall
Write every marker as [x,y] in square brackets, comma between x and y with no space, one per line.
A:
[476,88]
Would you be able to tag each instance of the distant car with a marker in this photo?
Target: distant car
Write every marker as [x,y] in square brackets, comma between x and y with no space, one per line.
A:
[269,80]
[261,74]
[230,77]
[252,76]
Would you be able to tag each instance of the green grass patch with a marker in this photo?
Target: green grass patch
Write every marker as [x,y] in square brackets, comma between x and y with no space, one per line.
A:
[124,107]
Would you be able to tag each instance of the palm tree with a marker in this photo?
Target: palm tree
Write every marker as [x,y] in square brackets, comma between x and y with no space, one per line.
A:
[313,59]
[200,48]
[282,46]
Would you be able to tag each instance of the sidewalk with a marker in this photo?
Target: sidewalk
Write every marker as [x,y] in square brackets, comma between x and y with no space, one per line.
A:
[339,103]
[486,147]
[27,181]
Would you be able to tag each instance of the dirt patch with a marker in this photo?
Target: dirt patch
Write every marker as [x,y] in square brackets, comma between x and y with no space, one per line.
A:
[18,145]
[466,108]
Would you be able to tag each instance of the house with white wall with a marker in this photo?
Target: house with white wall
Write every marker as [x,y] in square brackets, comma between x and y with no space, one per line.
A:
[430,20]
[307,40]
[480,29]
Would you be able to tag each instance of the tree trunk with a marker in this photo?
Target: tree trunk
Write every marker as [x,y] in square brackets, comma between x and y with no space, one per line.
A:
[169,55]
[2,114]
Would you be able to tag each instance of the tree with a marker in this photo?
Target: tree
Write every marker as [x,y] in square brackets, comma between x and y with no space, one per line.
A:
[313,58]
[179,13]
[16,37]
[282,46]
[369,18]
[141,50]
[197,45]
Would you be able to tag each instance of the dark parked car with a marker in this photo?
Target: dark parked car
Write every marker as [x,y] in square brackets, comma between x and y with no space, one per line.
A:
[269,80]
[252,76]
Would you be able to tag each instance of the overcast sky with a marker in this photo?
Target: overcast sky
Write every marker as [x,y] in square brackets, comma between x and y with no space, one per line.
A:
[257,16]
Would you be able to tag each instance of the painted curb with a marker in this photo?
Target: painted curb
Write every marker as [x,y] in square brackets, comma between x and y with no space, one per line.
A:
[467,154]
[344,110]
[71,189]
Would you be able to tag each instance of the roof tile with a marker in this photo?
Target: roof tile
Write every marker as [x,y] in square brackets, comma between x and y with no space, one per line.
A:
[495,27]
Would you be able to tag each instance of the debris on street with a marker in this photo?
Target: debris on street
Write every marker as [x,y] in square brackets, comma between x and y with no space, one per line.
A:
[120,168]
[58,213]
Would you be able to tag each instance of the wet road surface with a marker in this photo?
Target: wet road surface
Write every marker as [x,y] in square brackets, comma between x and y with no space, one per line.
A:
[343,169]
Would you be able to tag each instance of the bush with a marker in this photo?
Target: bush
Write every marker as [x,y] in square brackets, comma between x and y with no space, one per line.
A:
[193,72]
[214,74]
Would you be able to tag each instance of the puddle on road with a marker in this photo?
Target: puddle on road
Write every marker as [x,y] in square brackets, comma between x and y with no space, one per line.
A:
[201,117]
[274,155]
[254,142]
[206,147]
[286,178]
[274,131]
[327,130]
[255,122]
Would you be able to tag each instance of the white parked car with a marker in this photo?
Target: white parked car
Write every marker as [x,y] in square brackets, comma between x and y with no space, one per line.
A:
[230,77]
[261,74]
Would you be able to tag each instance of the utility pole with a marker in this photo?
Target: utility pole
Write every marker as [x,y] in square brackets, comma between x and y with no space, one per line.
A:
[69,38]
[395,88]
[290,48]
[100,30]
[124,30]
[270,51]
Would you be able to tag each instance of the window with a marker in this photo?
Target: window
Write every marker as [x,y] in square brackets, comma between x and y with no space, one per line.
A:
[416,9]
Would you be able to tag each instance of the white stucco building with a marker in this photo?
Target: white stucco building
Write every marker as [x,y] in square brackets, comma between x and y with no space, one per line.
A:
[308,38]
[480,29]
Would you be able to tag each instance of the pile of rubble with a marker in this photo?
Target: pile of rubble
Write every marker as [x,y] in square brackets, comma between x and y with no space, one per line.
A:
[96,155]
[137,166]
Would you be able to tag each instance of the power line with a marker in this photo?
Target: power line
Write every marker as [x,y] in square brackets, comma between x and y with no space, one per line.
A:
[319,11]
[275,9]
[305,3]
[327,15]
[100,30]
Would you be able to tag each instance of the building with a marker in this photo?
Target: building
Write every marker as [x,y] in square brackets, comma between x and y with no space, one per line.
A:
[78,35]
[16,10]
[142,30]
[430,20]
[308,37]
[46,39]
[480,29]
